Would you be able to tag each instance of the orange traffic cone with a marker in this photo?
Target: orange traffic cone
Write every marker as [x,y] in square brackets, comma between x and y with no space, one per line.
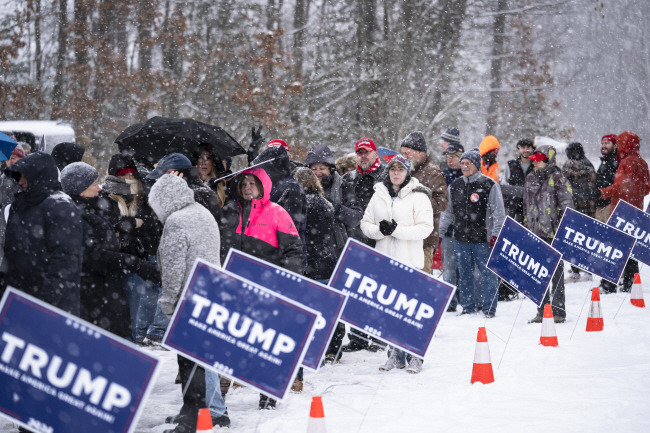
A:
[482,370]
[595,319]
[549,337]
[637,292]
[204,422]
[316,416]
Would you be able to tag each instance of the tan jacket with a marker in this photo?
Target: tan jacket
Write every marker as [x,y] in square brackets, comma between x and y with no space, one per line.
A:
[429,175]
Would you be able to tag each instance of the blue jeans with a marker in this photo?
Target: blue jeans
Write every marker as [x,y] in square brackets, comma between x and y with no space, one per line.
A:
[160,320]
[213,398]
[469,257]
[142,297]
[449,269]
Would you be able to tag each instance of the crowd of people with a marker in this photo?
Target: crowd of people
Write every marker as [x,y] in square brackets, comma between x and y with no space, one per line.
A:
[118,255]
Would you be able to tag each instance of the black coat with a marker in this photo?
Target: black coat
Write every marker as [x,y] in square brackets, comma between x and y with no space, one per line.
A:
[322,251]
[103,298]
[203,194]
[139,241]
[43,243]
[605,177]
[361,187]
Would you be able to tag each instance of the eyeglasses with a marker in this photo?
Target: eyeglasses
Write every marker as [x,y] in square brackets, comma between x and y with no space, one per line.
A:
[465,163]
[205,158]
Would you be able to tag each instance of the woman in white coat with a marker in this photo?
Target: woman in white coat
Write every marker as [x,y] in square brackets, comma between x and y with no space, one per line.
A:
[399,217]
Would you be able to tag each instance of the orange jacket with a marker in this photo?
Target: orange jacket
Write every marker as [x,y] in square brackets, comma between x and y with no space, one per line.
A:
[488,144]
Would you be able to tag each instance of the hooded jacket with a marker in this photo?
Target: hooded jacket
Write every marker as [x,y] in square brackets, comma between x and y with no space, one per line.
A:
[43,242]
[547,193]
[189,233]
[348,214]
[580,173]
[488,144]
[411,209]
[285,191]
[260,227]
[632,180]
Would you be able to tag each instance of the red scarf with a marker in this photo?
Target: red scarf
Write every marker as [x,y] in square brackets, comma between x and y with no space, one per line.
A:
[372,168]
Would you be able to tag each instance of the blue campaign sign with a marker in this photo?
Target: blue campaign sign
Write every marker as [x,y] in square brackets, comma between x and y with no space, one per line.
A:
[634,222]
[327,301]
[592,245]
[240,329]
[62,374]
[388,299]
[523,260]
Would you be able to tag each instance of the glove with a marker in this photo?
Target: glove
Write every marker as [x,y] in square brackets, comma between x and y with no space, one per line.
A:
[149,271]
[493,240]
[256,142]
[387,227]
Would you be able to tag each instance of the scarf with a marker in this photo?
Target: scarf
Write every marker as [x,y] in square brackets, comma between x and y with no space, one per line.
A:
[372,168]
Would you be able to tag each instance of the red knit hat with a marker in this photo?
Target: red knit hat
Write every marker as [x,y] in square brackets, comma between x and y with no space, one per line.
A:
[609,137]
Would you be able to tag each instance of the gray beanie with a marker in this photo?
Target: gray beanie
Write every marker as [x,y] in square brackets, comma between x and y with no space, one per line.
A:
[474,156]
[415,141]
[77,177]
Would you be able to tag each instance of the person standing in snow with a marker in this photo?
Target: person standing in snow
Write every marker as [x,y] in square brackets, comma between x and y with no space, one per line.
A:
[103,298]
[581,174]
[449,268]
[604,178]
[189,233]
[8,189]
[368,172]
[632,184]
[285,190]
[122,202]
[347,216]
[399,217]
[477,213]
[451,136]
[255,225]
[425,170]
[43,243]
[513,178]
[547,193]
[489,150]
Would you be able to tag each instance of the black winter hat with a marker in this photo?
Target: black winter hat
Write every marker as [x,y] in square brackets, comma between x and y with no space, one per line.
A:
[66,153]
[119,162]
[451,135]
[322,154]
[77,177]
[415,140]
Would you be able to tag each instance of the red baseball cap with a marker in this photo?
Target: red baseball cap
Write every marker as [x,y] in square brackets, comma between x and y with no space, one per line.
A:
[278,143]
[537,156]
[365,143]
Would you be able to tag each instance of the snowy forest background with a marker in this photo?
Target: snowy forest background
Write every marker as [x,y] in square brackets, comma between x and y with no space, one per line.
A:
[328,71]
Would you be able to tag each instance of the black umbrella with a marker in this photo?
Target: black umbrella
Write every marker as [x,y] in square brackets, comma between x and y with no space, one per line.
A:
[160,136]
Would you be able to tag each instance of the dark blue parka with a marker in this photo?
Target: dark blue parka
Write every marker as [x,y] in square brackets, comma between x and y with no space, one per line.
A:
[43,243]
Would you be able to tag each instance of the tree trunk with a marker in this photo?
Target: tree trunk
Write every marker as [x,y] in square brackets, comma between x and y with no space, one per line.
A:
[62,38]
[496,71]
[37,40]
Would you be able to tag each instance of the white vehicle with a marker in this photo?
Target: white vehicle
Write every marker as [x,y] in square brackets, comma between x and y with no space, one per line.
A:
[32,131]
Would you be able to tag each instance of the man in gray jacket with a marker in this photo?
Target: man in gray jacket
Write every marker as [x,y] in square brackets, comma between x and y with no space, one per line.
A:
[190,232]
[477,213]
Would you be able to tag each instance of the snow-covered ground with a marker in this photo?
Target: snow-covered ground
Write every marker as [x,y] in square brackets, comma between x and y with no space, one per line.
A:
[592,382]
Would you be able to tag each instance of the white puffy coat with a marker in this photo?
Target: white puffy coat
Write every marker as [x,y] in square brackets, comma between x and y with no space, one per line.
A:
[412,212]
